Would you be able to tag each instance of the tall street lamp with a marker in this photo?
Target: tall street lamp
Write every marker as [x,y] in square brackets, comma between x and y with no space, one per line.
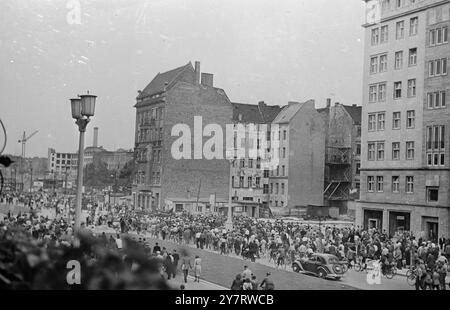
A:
[82,109]
[229,222]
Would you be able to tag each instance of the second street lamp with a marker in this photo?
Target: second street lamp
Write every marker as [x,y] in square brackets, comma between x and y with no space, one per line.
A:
[82,109]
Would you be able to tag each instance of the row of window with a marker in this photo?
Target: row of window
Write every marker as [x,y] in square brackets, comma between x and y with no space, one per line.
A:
[376,184]
[275,203]
[277,188]
[377,92]
[146,135]
[379,63]
[250,183]
[377,121]
[147,116]
[437,100]
[380,35]
[376,150]
[435,145]
[437,67]
[438,36]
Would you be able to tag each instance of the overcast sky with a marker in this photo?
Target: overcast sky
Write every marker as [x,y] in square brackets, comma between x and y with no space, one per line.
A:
[270,50]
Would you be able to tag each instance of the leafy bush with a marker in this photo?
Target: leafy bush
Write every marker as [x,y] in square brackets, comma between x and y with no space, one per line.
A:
[26,263]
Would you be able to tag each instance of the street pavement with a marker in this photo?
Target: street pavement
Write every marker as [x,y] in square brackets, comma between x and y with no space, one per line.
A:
[194,286]
[221,269]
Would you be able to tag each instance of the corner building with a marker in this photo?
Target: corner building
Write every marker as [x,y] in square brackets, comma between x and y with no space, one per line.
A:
[405,123]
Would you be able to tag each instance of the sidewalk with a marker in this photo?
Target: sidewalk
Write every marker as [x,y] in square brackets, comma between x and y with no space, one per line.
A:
[195,286]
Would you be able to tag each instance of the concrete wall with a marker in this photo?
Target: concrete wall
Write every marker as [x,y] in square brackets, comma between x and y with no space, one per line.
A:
[306,157]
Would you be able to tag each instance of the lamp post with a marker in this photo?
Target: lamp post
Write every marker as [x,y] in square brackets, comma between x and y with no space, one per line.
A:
[229,222]
[82,109]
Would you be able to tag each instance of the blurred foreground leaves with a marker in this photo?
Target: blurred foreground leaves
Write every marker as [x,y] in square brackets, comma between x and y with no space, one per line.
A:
[26,263]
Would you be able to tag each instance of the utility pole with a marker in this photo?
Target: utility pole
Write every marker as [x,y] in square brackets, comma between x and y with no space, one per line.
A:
[24,142]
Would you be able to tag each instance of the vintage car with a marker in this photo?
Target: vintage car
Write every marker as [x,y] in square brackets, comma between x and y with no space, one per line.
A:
[321,265]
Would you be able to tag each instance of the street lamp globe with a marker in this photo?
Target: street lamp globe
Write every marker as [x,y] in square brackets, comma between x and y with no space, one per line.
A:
[88,105]
[76,108]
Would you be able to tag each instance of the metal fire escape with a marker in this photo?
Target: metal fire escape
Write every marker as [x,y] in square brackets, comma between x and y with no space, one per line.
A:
[338,177]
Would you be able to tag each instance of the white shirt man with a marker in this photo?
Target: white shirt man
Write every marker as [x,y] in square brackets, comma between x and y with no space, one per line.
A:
[119,243]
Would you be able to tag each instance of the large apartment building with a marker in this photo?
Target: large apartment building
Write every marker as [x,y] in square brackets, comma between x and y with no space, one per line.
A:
[250,177]
[178,98]
[405,121]
[297,181]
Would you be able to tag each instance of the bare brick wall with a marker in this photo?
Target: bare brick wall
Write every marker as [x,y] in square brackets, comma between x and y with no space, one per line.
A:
[184,101]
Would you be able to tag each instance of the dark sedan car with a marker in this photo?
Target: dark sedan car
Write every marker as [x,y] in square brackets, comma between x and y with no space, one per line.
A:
[321,265]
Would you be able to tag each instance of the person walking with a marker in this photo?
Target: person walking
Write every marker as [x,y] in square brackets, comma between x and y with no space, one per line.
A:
[197,268]
[237,283]
[185,266]
[267,284]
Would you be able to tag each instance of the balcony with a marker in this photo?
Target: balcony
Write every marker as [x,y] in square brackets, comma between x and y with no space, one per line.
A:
[338,156]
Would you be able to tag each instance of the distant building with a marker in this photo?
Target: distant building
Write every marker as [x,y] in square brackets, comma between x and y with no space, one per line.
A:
[62,163]
[161,181]
[250,181]
[342,155]
[297,182]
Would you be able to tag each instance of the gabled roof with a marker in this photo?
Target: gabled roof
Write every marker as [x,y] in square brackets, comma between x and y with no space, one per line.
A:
[256,114]
[355,112]
[158,83]
[288,113]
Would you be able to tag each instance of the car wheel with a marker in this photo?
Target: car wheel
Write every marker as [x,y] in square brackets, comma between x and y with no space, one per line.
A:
[296,267]
[322,273]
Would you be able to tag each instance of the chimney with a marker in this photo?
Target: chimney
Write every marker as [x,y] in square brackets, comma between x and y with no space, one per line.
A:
[208,79]
[328,102]
[95,143]
[197,72]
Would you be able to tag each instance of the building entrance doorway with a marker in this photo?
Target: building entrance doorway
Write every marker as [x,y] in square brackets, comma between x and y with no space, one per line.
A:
[430,226]
[373,219]
[399,222]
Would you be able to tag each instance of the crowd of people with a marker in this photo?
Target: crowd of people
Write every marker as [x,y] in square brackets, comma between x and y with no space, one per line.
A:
[280,242]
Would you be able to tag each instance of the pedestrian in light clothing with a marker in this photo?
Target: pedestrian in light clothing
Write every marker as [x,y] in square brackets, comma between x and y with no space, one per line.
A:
[197,268]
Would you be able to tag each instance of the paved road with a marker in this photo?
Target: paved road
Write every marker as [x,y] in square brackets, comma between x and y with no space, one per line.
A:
[221,270]
[194,286]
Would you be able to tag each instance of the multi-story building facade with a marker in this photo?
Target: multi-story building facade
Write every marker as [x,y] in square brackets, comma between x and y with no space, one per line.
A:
[250,180]
[62,163]
[297,181]
[342,155]
[163,181]
[404,168]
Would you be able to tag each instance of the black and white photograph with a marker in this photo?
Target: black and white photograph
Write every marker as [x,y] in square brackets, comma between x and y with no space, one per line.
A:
[204,147]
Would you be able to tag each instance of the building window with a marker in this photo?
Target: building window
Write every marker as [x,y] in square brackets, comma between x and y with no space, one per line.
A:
[284,135]
[382,92]
[249,182]
[370,183]
[283,170]
[412,57]
[374,64]
[371,151]
[410,119]
[396,151]
[411,88]
[358,169]
[375,37]
[271,188]
[384,34]
[396,120]
[258,182]
[400,30]
[397,90]
[265,188]
[276,188]
[432,194]
[284,152]
[241,181]
[266,173]
[395,184]
[373,93]
[380,150]
[358,148]
[437,67]
[250,163]
[282,188]
[435,145]
[437,100]
[380,183]
[398,60]
[438,36]
[413,26]
[381,121]
[372,126]
[242,163]
[409,184]
[383,63]
[410,150]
